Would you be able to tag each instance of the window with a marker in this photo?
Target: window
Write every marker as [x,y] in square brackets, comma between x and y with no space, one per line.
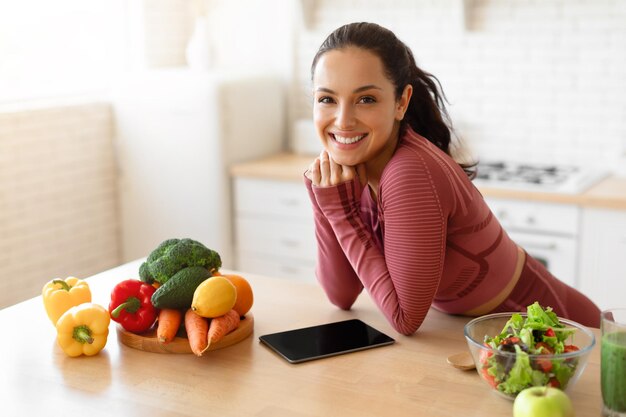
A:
[60,48]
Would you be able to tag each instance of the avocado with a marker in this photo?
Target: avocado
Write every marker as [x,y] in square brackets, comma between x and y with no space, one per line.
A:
[178,291]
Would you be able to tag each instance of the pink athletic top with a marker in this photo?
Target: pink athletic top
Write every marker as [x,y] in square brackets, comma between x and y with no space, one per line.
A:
[429,239]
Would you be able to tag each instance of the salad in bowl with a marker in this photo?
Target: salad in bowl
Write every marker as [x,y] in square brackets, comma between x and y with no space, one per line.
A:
[514,351]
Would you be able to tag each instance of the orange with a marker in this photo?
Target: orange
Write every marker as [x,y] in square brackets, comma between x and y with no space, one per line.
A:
[245,297]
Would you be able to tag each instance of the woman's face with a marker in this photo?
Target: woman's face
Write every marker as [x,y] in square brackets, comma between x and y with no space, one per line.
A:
[355,110]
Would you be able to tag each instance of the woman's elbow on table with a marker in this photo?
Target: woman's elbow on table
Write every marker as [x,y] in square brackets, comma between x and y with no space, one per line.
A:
[404,325]
[404,329]
[339,293]
[344,303]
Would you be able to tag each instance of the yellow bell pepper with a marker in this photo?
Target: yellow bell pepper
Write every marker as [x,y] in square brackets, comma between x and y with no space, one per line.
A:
[59,295]
[83,329]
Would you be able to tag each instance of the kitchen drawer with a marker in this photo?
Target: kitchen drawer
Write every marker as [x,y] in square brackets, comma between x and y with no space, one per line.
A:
[282,199]
[280,268]
[274,228]
[276,236]
[516,215]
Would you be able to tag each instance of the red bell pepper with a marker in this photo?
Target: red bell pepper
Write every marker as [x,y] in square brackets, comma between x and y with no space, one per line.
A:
[131,305]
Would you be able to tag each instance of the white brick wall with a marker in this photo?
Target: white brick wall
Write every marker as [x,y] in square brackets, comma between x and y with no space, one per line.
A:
[526,79]
[58,197]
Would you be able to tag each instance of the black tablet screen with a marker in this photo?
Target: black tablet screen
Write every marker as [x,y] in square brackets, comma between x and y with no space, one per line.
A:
[325,340]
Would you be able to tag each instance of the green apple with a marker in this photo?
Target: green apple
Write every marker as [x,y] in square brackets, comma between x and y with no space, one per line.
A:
[542,402]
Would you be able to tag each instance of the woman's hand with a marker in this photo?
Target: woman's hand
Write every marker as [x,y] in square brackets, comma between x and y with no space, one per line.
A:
[325,172]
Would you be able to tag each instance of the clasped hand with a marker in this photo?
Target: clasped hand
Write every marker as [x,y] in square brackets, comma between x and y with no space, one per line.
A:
[325,172]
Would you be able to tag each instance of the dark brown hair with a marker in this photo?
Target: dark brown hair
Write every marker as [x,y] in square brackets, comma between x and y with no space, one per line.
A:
[427,113]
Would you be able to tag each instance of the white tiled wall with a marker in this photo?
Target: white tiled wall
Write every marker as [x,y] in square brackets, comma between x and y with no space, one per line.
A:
[58,197]
[541,80]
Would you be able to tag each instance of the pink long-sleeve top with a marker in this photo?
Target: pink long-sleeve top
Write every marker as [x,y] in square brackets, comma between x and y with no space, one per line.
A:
[428,238]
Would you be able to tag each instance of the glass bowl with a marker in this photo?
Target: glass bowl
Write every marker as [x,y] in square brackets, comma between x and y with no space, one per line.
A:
[507,373]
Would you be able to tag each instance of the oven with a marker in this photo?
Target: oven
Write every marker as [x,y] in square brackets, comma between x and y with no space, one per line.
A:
[547,231]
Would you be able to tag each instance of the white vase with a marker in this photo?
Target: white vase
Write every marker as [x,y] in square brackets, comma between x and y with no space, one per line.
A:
[198,51]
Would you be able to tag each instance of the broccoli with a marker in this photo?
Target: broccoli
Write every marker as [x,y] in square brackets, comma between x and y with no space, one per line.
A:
[173,255]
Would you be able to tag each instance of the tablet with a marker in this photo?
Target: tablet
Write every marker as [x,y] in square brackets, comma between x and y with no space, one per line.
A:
[316,342]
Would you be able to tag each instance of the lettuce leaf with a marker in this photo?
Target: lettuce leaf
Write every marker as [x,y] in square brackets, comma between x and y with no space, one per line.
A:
[526,335]
[539,378]
[511,328]
[520,376]
[541,319]
[563,372]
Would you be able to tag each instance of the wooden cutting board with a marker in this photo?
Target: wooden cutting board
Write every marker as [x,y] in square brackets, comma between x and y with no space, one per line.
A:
[148,341]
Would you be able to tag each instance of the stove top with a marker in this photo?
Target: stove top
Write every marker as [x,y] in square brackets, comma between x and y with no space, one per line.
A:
[552,178]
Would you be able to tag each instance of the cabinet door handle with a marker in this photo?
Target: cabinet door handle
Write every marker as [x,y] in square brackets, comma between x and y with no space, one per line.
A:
[290,202]
[289,269]
[290,243]
[539,245]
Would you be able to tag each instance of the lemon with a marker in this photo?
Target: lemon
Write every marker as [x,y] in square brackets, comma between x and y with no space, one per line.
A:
[214,297]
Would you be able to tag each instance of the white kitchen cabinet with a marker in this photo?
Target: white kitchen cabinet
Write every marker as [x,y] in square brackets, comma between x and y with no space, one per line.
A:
[274,228]
[603,249]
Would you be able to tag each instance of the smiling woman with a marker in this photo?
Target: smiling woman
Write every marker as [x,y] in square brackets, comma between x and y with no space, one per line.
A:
[394,212]
[59,48]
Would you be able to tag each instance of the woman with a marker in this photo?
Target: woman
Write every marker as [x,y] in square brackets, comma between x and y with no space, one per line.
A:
[394,213]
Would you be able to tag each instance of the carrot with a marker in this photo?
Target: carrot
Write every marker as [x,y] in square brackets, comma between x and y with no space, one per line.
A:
[222,325]
[197,328]
[168,324]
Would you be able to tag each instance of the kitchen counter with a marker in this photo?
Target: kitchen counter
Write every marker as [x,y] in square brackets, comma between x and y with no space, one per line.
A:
[608,193]
[410,377]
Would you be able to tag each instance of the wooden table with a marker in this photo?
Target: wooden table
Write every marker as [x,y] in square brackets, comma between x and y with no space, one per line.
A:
[409,378]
